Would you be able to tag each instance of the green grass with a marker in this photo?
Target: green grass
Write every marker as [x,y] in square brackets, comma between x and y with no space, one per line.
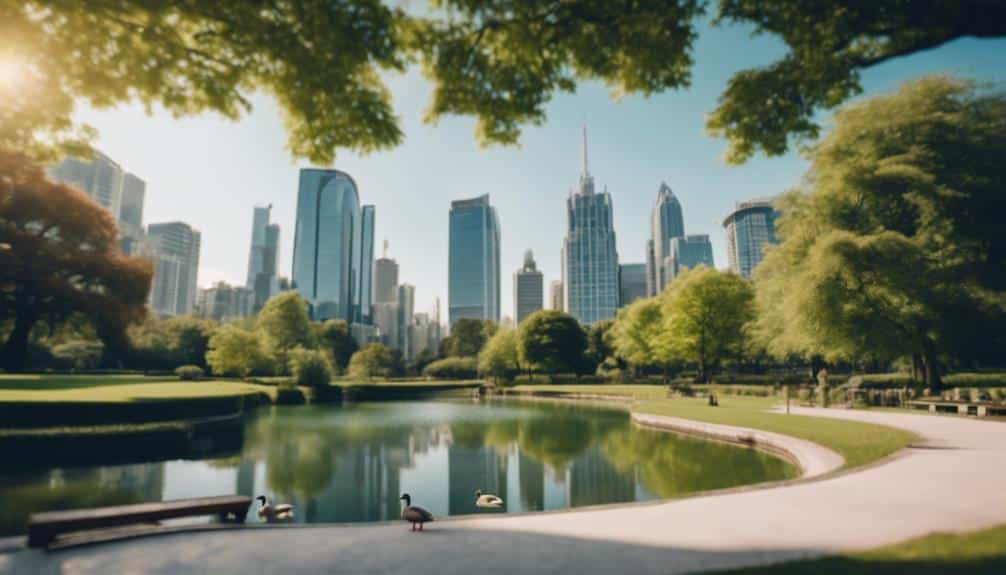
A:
[859,443]
[979,553]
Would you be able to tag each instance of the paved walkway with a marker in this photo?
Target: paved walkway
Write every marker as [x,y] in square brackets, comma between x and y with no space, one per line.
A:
[953,481]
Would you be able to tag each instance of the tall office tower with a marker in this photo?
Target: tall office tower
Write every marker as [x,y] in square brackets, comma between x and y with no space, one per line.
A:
[366,311]
[385,278]
[687,253]
[100,178]
[224,301]
[555,294]
[528,288]
[262,264]
[473,281]
[666,222]
[133,193]
[589,257]
[422,334]
[326,244]
[750,227]
[406,309]
[631,283]
[175,251]
[651,270]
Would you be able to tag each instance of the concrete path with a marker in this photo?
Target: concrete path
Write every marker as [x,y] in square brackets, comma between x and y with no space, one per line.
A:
[953,481]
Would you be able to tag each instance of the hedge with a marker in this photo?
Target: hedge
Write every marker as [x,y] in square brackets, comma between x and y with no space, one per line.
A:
[453,368]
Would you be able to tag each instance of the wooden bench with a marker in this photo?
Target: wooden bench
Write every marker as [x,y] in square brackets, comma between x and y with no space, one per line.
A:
[46,526]
[978,409]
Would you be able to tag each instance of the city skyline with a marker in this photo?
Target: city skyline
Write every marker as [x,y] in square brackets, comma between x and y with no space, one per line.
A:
[636,143]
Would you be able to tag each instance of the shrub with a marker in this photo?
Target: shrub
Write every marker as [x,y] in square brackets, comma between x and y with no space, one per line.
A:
[310,367]
[882,380]
[81,354]
[991,379]
[189,372]
[289,395]
[453,368]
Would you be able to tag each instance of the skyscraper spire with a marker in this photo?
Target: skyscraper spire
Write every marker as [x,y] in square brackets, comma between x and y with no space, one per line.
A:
[586,171]
[385,248]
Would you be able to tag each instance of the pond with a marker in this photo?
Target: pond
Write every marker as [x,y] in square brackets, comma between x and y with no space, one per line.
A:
[350,463]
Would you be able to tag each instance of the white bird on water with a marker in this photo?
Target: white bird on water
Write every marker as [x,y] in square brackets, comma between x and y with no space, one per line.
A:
[271,513]
[487,500]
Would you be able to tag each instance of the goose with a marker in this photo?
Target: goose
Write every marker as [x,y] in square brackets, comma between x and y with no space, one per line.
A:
[413,513]
[272,513]
[487,500]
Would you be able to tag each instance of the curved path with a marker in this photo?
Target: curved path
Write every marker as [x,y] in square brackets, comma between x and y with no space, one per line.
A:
[951,481]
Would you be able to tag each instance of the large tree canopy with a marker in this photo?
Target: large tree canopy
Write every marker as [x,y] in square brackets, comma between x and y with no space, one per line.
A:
[896,249]
[59,256]
[500,61]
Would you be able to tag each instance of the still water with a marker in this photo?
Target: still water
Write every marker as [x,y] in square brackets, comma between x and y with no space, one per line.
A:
[350,463]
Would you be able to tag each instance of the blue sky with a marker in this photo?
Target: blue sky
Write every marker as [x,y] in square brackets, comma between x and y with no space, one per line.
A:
[210,172]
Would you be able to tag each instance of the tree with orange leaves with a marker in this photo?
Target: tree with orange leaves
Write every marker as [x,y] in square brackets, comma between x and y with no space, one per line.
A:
[59,256]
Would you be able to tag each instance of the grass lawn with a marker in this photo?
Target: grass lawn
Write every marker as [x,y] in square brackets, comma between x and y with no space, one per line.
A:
[980,553]
[859,443]
[117,388]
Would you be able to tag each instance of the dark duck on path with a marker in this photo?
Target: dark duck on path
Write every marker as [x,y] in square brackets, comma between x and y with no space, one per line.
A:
[413,513]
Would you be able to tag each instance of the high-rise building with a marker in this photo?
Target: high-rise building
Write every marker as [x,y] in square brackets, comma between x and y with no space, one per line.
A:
[688,252]
[100,178]
[224,301]
[631,282]
[589,257]
[262,259]
[666,222]
[424,334]
[385,278]
[750,227]
[406,311]
[473,282]
[555,293]
[366,315]
[528,288]
[651,270]
[134,191]
[174,248]
[327,258]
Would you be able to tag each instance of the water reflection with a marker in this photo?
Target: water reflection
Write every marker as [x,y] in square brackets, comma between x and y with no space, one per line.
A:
[346,464]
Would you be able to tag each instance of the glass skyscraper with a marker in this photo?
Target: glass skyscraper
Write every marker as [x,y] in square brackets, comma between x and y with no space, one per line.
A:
[750,227]
[666,222]
[528,288]
[589,257]
[473,282]
[366,300]
[688,252]
[631,283]
[327,254]
[175,256]
[262,258]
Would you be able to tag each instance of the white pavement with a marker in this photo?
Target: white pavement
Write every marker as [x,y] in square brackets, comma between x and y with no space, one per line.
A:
[953,481]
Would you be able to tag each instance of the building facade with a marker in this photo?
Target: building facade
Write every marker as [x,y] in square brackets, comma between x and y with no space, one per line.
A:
[528,289]
[589,256]
[174,249]
[366,311]
[406,312]
[473,282]
[631,283]
[224,302]
[666,222]
[327,255]
[749,228]
[262,277]
[555,294]
[688,252]
[100,178]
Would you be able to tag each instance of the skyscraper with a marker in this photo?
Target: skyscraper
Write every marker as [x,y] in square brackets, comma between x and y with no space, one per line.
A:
[651,270]
[555,293]
[175,253]
[631,283]
[589,257]
[100,178]
[134,191]
[326,246]
[528,288]
[688,252]
[385,278]
[224,301]
[473,281]
[366,312]
[666,222]
[749,228]
[406,310]
[262,264]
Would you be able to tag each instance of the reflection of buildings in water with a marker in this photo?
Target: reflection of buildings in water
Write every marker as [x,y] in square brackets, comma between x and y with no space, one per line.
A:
[532,482]
[246,478]
[471,469]
[145,480]
[594,480]
[556,493]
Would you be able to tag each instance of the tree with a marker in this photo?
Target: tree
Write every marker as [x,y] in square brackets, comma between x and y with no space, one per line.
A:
[334,335]
[636,334]
[551,341]
[375,360]
[499,357]
[310,367]
[705,312]
[81,354]
[285,324]
[501,62]
[895,249]
[599,346]
[59,256]
[235,351]
[468,336]
[422,359]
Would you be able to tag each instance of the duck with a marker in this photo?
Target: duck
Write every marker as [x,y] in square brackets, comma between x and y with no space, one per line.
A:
[271,513]
[487,500]
[413,513]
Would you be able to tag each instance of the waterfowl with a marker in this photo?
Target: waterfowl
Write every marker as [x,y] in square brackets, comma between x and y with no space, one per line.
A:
[487,500]
[413,513]
[272,513]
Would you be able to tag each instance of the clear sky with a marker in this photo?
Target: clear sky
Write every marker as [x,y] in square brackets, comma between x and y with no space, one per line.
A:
[210,172]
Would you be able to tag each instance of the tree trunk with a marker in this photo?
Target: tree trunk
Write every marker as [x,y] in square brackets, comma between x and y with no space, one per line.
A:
[15,351]
[931,367]
[917,369]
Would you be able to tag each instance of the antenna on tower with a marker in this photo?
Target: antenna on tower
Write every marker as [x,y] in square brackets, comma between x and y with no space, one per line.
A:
[385,248]
[586,171]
